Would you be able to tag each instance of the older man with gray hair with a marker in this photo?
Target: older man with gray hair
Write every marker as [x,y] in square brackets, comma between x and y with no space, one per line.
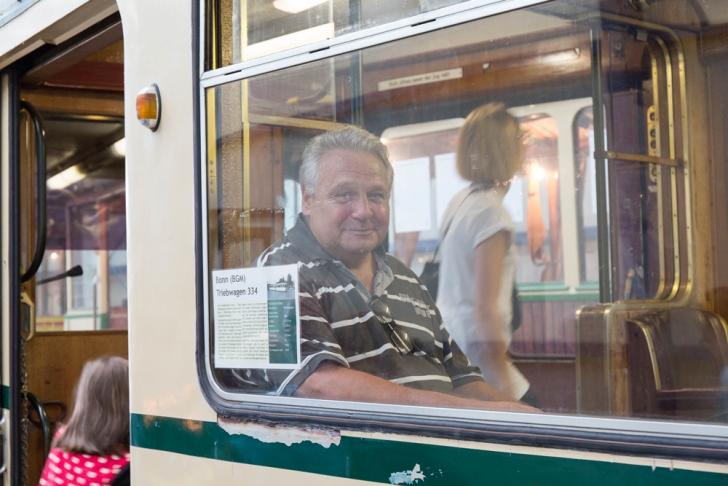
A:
[369,329]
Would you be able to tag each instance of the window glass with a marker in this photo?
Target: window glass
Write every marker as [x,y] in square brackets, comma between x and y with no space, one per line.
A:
[497,150]
[240,31]
[532,198]
[81,283]
[585,191]
[538,242]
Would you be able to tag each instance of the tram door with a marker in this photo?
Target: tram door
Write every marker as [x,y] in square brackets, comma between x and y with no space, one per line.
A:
[72,227]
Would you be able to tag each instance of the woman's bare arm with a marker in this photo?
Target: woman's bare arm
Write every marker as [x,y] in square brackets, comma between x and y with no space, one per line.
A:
[492,333]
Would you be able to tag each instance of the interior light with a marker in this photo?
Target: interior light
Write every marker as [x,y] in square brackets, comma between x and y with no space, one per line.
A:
[536,172]
[288,41]
[54,255]
[65,178]
[561,57]
[119,148]
[296,6]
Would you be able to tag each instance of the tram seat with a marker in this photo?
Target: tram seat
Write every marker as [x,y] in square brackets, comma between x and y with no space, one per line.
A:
[676,359]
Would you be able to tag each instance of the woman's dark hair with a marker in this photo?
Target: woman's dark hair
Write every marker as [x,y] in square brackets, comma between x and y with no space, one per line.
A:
[99,423]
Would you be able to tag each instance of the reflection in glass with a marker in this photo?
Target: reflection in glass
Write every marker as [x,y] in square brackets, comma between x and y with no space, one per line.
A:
[253,194]
[261,27]
[586,194]
[414,93]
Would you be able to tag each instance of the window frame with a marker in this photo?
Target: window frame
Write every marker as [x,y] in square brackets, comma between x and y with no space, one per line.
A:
[15,10]
[646,437]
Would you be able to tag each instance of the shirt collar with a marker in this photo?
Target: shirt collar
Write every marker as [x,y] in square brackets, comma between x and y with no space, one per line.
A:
[303,238]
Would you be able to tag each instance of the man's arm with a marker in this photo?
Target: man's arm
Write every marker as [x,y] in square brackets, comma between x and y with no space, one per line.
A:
[480,390]
[334,382]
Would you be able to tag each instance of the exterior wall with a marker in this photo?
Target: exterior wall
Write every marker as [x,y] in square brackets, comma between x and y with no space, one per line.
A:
[4,279]
[382,458]
[165,468]
[160,213]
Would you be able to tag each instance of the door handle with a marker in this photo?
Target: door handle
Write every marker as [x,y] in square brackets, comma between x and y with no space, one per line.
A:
[27,317]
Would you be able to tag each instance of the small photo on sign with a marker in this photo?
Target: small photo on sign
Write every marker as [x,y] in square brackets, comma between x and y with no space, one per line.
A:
[256,317]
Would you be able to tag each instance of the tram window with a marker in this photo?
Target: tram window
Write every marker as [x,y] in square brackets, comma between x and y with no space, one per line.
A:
[287,108]
[414,95]
[414,230]
[586,196]
[260,27]
[532,199]
[86,226]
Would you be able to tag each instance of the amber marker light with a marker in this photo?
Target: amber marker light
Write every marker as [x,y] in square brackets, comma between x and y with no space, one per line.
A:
[149,106]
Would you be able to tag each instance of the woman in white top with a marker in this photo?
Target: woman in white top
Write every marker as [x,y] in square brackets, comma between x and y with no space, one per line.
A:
[477,268]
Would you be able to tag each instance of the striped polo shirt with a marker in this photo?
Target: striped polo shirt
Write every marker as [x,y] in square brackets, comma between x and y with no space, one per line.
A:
[338,326]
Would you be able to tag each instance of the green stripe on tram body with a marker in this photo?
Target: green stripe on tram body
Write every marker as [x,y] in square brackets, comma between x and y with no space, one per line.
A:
[6,397]
[377,460]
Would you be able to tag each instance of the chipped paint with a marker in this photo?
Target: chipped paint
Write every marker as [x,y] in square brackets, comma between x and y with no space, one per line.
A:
[407,477]
[282,434]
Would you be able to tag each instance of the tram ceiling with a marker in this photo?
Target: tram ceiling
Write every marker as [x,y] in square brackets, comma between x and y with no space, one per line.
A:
[102,70]
[543,62]
[87,140]
[542,40]
[93,63]
[88,83]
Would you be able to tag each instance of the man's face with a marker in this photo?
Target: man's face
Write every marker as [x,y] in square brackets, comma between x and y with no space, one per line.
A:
[348,211]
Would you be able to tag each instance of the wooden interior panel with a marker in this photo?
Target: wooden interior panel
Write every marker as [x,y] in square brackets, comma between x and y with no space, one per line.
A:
[547,329]
[553,382]
[510,69]
[718,75]
[266,187]
[51,100]
[53,363]
[61,355]
[229,172]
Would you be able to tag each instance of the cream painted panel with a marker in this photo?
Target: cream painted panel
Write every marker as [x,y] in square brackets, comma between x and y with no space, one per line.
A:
[5,215]
[265,476]
[4,285]
[49,22]
[153,468]
[160,213]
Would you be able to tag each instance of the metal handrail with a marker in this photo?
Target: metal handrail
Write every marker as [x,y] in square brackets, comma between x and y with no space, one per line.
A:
[40,152]
[44,424]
